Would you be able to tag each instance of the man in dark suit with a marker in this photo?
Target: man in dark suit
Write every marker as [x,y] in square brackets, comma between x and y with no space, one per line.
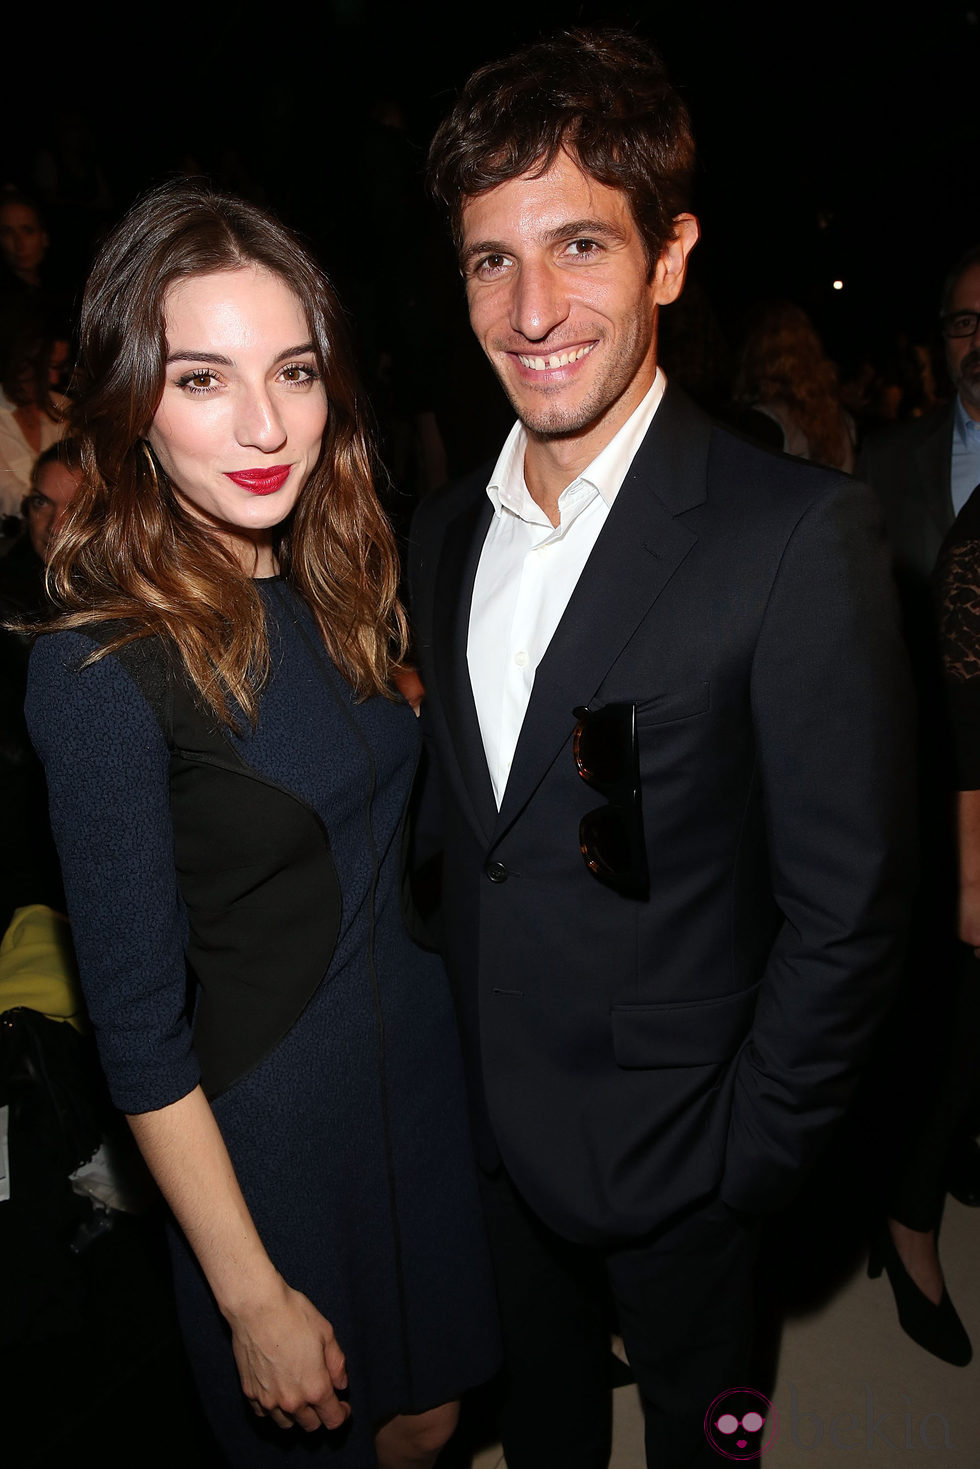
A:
[924,472]
[666,704]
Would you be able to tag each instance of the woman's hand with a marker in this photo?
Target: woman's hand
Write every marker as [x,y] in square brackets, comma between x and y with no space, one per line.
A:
[290,1365]
[289,1361]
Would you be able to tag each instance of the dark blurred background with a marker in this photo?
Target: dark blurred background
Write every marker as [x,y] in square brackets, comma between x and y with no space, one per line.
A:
[837,143]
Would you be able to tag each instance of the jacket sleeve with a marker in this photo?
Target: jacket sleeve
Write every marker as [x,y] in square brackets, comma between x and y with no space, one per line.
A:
[107,768]
[833,714]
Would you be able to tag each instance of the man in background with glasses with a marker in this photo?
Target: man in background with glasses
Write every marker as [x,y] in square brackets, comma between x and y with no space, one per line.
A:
[666,704]
[925,472]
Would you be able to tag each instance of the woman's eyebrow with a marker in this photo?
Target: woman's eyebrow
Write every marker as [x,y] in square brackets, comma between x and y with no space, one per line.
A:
[216,358]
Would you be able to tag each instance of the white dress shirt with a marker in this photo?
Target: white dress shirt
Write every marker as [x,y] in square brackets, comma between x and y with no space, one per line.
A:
[527,573]
[16,455]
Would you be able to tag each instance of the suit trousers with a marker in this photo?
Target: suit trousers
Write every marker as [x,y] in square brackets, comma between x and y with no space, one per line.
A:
[681,1299]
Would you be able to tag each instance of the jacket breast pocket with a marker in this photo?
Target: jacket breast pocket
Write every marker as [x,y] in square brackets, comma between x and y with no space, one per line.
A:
[696,1033]
[678,704]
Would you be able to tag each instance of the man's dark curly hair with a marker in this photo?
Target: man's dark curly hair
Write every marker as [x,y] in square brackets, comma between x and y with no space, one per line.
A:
[602,96]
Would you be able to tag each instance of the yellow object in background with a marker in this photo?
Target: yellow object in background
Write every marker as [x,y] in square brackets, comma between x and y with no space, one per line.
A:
[37,966]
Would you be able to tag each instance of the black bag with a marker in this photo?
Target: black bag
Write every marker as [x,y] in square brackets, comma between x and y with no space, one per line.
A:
[52,1085]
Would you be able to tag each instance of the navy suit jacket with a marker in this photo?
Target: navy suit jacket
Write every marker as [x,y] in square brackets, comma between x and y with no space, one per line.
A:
[632,1058]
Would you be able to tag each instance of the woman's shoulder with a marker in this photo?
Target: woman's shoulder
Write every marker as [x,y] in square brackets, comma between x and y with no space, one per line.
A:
[63,652]
[70,678]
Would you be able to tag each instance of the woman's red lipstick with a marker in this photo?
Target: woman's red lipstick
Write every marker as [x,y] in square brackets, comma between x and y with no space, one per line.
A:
[261,481]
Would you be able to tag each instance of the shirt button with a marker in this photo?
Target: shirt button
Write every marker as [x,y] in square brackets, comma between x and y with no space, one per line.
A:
[520,659]
[496,871]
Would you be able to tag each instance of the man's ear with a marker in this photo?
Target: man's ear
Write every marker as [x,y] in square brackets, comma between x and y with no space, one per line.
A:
[671,266]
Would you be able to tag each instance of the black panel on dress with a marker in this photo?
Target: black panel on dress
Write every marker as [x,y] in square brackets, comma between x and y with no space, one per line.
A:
[253,862]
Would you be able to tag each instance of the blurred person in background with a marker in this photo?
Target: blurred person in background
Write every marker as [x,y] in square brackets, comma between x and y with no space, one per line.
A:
[23,243]
[32,411]
[55,477]
[925,472]
[786,390]
[29,871]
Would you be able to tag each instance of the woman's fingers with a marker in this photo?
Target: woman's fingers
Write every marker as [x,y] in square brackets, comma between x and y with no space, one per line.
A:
[336,1363]
[291,1365]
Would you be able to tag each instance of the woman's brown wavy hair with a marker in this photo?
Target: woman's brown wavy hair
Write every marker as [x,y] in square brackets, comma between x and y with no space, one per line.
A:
[130,554]
[783,360]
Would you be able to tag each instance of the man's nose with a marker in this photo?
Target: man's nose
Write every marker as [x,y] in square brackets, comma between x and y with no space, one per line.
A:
[258,421]
[540,300]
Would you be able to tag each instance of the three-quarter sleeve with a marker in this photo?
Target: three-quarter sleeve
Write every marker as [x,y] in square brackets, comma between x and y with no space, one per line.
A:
[107,768]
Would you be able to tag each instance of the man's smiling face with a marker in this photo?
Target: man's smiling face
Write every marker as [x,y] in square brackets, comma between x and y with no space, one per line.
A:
[563,300]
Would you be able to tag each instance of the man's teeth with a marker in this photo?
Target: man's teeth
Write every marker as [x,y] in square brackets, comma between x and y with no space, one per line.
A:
[557,359]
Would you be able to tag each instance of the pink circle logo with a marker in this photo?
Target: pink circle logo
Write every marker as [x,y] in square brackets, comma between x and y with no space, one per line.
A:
[741,1424]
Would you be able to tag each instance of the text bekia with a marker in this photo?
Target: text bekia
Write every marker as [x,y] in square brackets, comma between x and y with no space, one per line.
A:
[868,1427]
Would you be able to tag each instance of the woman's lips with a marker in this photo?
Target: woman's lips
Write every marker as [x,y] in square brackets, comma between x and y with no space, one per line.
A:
[261,481]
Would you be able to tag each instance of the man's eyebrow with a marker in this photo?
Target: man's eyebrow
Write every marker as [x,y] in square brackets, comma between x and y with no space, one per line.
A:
[583,229]
[215,359]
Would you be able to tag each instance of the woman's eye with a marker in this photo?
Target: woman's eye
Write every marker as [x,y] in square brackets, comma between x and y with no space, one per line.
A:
[299,372]
[198,382]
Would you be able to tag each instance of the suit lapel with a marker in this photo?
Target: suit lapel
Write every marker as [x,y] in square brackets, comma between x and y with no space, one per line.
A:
[934,461]
[639,549]
[451,612]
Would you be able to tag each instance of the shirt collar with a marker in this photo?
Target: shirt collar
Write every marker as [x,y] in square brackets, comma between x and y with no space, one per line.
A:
[507,489]
[967,428]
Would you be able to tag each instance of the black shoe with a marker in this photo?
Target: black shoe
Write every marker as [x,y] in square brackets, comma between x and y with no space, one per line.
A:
[936,1328]
[963,1178]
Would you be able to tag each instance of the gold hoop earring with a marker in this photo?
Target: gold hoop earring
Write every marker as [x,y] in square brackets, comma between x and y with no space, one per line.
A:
[152,463]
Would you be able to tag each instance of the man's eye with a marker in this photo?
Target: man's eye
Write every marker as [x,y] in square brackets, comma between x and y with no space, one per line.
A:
[583,248]
[491,265]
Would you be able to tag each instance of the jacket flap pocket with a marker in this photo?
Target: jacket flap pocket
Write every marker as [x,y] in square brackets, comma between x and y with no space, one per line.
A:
[702,1033]
[680,704]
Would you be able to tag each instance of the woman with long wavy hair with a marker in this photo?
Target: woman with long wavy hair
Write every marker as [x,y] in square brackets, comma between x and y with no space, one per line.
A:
[786,389]
[228,762]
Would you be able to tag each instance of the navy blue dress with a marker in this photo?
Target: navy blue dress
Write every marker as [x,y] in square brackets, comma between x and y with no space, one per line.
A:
[350,1136]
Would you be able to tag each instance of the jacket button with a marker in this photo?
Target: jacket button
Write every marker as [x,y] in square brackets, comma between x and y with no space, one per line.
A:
[496,871]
